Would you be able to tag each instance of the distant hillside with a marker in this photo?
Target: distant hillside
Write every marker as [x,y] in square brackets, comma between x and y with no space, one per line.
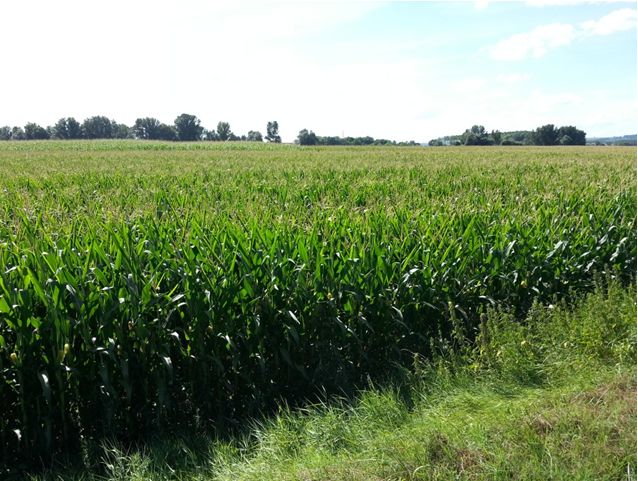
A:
[621,140]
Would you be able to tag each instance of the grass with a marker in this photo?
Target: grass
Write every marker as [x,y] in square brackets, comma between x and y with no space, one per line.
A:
[461,416]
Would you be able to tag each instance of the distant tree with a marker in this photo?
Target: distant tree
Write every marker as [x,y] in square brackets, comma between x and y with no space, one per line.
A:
[570,135]
[497,137]
[121,131]
[235,138]
[306,137]
[254,136]
[98,127]
[211,135]
[477,135]
[34,131]
[518,137]
[67,128]
[223,131]
[5,133]
[17,133]
[545,135]
[146,128]
[272,132]
[565,140]
[188,128]
[166,132]
[330,140]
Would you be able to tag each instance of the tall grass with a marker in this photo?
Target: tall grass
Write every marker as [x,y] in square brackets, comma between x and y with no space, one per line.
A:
[142,289]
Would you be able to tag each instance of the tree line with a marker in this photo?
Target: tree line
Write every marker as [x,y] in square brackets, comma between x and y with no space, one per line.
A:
[308,137]
[545,135]
[185,128]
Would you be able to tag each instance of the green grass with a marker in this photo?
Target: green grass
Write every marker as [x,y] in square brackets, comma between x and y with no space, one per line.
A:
[149,285]
[462,416]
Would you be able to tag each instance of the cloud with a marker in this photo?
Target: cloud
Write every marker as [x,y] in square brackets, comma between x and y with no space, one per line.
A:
[616,21]
[556,3]
[512,78]
[535,43]
[469,85]
[541,40]
[482,4]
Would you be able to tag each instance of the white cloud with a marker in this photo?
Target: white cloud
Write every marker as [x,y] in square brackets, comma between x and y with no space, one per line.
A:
[616,21]
[512,78]
[469,85]
[535,43]
[483,4]
[541,40]
[553,3]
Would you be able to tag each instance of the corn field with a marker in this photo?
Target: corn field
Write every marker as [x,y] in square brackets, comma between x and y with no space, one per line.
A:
[149,286]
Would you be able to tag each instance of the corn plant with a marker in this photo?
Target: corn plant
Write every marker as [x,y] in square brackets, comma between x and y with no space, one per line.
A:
[149,285]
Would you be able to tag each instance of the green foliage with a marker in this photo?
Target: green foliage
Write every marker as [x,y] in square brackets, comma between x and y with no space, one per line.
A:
[98,127]
[146,128]
[570,135]
[67,129]
[121,131]
[545,135]
[17,133]
[306,137]
[5,133]
[144,285]
[223,131]
[272,132]
[254,136]
[149,128]
[477,135]
[188,128]
[35,132]
[461,417]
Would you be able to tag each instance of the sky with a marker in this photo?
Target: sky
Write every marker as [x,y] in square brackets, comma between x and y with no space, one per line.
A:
[389,69]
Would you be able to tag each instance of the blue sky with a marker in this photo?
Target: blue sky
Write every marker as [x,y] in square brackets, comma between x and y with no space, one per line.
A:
[399,70]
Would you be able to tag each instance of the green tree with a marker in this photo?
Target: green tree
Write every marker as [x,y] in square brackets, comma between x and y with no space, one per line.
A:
[497,137]
[17,133]
[211,135]
[166,132]
[477,135]
[254,136]
[67,128]
[223,131]
[306,137]
[188,127]
[146,128]
[33,131]
[545,135]
[5,133]
[121,131]
[272,132]
[570,135]
[97,127]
